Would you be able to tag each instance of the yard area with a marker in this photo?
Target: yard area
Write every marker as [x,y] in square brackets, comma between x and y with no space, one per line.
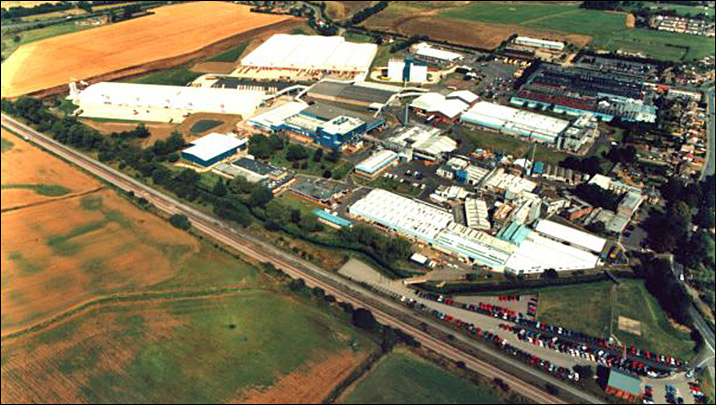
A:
[512,145]
[595,309]
[404,378]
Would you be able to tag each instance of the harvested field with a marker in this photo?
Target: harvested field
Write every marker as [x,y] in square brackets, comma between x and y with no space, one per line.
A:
[61,253]
[26,165]
[172,32]
[158,130]
[200,350]
[310,385]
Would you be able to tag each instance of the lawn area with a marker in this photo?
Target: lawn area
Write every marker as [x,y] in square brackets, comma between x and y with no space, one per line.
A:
[48,190]
[657,334]
[8,40]
[390,185]
[339,169]
[607,29]
[404,378]
[509,144]
[588,308]
[178,76]
[294,202]
[204,125]
[231,55]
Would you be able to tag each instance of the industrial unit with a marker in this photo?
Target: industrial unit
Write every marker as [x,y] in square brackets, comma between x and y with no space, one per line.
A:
[447,108]
[313,52]
[427,52]
[160,103]
[421,142]
[213,148]
[517,122]
[373,166]
[407,70]
[539,43]
[578,90]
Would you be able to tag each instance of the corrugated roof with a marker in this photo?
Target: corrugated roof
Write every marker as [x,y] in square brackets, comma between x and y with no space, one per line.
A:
[624,382]
[212,145]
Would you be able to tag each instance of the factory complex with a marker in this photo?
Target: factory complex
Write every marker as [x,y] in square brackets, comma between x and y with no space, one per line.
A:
[517,249]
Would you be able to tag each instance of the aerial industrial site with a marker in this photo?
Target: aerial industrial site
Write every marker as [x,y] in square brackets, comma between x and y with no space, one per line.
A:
[358,202]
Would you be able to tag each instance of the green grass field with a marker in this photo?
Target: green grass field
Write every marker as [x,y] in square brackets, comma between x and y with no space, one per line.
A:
[231,55]
[608,30]
[9,45]
[49,190]
[339,169]
[204,125]
[595,308]
[7,145]
[178,76]
[404,378]
[512,145]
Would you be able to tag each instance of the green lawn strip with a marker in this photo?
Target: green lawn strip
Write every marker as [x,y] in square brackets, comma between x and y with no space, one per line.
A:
[7,145]
[9,45]
[48,190]
[177,76]
[514,146]
[404,378]
[204,125]
[230,55]
[405,188]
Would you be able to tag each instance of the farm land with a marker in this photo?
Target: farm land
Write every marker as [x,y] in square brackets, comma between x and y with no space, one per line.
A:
[339,10]
[494,23]
[132,43]
[100,292]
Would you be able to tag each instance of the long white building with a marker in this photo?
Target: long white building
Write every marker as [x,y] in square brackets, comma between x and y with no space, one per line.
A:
[152,102]
[513,121]
[284,51]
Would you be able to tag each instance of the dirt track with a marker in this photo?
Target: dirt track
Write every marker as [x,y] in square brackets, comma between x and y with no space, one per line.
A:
[144,44]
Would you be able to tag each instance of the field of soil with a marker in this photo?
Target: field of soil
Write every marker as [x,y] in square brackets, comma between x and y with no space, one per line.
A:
[171,32]
[338,10]
[30,167]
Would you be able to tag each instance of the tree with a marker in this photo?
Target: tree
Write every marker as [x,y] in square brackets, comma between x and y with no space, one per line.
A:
[180,221]
[705,218]
[85,5]
[260,196]
[550,274]
[327,174]
[364,319]
[16,38]
[296,152]
[334,156]
[318,155]
[296,216]
[596,227]
[219,188]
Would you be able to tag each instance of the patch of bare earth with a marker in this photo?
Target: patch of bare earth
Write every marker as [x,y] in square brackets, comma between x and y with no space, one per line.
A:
[157,130]
[312,384]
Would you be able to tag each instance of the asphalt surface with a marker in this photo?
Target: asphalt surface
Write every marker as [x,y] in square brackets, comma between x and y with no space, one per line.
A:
[385,310]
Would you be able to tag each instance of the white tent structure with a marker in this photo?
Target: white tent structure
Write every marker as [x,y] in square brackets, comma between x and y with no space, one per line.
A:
[137,101]
[284,51]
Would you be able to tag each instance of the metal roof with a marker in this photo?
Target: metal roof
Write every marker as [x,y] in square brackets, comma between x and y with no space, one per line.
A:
[212,145]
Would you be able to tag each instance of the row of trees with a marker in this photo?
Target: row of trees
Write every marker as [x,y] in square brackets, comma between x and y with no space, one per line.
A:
[21,11]
[367,12]
[597,196]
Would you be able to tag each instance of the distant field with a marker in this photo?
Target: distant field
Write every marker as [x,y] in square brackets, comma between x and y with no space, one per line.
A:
[594,307]
[251,346]
[679,8]
[404,378]
[164,34]
[338,10]
[8,40]
[487,24]
[10,4]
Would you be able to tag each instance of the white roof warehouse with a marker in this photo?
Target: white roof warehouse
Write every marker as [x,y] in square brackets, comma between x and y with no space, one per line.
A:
[514,121]
[213,148]
[108,99]
[283,51]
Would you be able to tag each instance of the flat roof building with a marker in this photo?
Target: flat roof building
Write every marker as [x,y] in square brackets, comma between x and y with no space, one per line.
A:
[407,71]
[518,122]
[474,245]
[153,102]
[430,53]
[284,51]
[376,164]
[273,119]
[412,218]
[213,148]
[539,43]
[575,237]
[436,103]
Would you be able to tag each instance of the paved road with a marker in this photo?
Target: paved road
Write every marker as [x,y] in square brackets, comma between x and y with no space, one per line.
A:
[711,147]
[385,310]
